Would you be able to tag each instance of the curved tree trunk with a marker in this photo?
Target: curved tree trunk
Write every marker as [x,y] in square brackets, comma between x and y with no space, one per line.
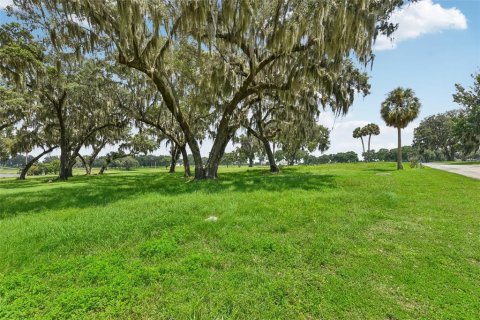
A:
[175,155]
[186,163]
[171,101]
[88,170]
[450,154]
[216,154]
[218,150]
[104,167]
[270,156]
[102,170]
[363,144]
[268,150]
[399,150]
[29,164]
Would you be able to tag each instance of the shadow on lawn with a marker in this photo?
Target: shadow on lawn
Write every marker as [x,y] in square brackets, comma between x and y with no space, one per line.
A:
[37,195]
[380,169]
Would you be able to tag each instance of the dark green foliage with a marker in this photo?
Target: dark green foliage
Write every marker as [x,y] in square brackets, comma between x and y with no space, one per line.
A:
[436,134]
[468,125]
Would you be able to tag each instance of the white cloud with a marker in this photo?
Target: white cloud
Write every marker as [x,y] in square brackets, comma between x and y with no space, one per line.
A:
[5,3]
[420,18]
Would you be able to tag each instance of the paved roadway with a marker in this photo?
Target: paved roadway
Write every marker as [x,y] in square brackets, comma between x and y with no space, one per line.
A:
[469,170]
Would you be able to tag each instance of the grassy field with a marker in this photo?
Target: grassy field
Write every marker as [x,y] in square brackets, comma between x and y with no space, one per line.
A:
[6,170]
[359,241]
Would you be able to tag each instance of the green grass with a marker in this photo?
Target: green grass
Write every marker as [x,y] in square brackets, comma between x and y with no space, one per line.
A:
[7,170]
[356,241]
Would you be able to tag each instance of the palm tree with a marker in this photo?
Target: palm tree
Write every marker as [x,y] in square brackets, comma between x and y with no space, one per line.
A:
[359,133]
[399,109]
[372,130]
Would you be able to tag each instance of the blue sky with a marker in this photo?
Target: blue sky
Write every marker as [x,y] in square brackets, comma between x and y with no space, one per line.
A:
[437,45]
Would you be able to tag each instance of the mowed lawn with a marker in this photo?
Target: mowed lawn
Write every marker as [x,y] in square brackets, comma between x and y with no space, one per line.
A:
[6,170]
[359,241]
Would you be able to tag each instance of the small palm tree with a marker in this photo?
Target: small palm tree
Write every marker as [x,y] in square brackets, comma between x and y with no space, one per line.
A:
[371,129]
[359,133]
[399,109]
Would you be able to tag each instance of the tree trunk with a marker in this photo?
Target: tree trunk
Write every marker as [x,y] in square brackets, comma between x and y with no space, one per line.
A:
[369,139]
[363,144]
[450,154]
[197,159]
[70,170]
[29,164]
[399,150]
[88,170]
[250,162]
[63,163]
[218,149]
[93,157]
[186,163]
[171,101]
[268,149]
[102,170]
[175,153]
[270,156]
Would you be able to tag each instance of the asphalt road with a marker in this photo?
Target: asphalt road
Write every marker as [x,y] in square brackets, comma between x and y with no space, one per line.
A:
[472,171]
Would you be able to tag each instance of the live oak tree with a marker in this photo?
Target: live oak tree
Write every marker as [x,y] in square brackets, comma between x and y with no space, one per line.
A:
[262,123]
[20,54]
[468,125]
[83,100]
[250,147]
[259,46]
[65,95]
[297,139]
[297,127]
[437,134]
[132,146]
[20,62]
[148,107]
[13,106]
[22,119]
[399,109]
[272,114]
[101,139]
[33,133]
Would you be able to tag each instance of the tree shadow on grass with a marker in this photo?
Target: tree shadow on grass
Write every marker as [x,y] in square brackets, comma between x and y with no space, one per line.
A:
[37,195]
[380,169]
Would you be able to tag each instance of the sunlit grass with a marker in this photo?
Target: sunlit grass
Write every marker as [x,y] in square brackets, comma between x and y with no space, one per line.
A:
[7,170]
[335,241]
